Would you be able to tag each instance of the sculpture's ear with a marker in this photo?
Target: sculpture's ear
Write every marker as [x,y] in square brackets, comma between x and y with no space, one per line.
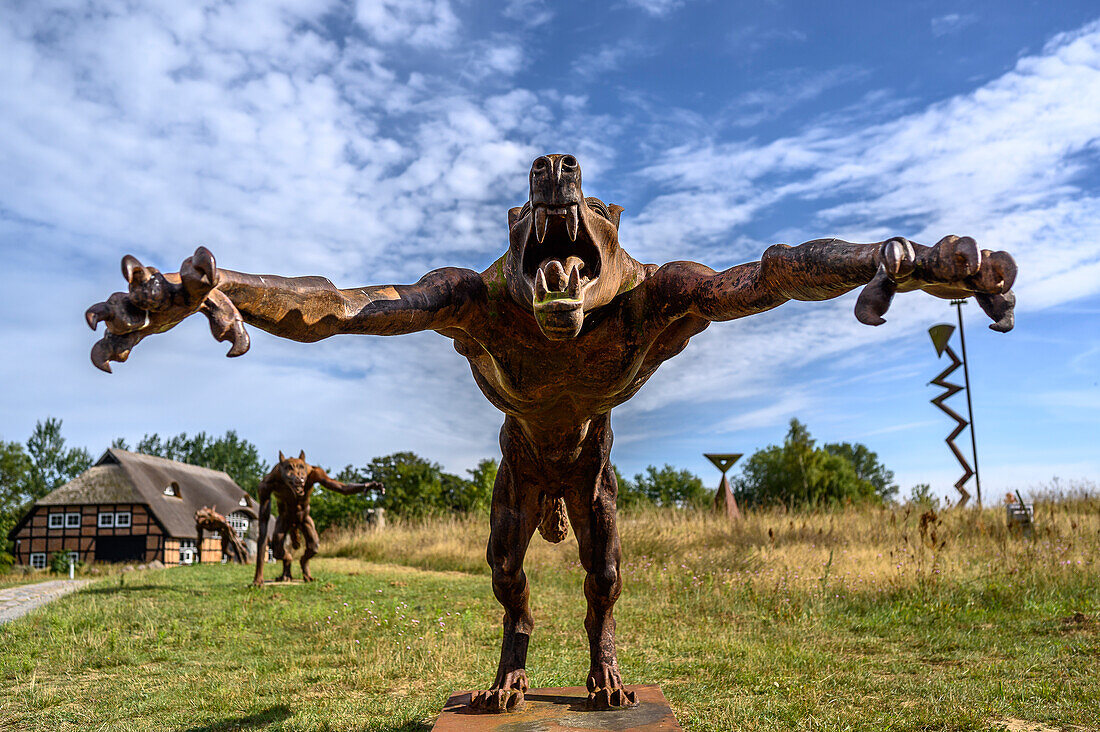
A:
[281,456]
[302,456]
[513,215]
[615,211]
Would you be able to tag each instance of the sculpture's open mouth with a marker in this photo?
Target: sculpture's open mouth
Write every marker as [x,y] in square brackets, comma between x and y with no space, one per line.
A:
[560,260]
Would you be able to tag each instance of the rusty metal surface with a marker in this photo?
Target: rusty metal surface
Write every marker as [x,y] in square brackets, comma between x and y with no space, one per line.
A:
[560,330]
[563,710]
[941,335]
[725,504]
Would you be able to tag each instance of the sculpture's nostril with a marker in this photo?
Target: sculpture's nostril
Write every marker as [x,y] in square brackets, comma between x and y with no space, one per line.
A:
[568,162]
[540,165]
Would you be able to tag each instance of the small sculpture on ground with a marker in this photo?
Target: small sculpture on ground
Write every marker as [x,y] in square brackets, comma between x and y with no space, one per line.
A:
[207,519]
[291,483]
[558,331]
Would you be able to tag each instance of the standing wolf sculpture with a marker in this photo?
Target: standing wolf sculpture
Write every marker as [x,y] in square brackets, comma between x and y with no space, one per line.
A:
[291,483]
[558,331]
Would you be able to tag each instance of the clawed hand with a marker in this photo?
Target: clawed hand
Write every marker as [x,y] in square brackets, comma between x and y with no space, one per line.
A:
[157,302]
[953,268]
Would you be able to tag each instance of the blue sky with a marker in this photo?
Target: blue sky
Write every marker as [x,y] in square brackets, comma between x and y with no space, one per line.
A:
[371,141]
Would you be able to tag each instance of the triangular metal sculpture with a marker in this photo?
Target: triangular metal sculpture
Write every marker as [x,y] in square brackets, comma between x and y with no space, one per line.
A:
[941,337]
[724,501]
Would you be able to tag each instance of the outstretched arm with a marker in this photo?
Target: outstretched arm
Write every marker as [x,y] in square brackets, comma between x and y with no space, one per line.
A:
[318,476]
[300,308]
[826,268]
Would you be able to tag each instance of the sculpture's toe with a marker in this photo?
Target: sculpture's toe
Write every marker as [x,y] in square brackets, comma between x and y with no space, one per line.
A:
[605,698]
[496,700]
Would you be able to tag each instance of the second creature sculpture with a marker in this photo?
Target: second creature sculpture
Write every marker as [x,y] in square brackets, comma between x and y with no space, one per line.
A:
[558,331]
[207,519]
[291,482]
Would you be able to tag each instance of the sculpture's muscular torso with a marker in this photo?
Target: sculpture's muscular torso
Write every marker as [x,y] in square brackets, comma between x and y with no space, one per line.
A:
[561,329]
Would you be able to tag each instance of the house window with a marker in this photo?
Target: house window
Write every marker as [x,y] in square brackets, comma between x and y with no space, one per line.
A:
[72,520]
[243,501]
[172,489]
[106,520]
[187,551]
[122,519]
[239,522]
[57,520]
[38,560]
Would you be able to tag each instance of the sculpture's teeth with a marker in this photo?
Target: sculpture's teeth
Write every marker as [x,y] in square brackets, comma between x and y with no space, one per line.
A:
[571,223]
[541,288]
[540,223]
[574,287]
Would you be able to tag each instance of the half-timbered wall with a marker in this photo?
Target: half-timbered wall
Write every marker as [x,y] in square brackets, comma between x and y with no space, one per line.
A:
[66,535]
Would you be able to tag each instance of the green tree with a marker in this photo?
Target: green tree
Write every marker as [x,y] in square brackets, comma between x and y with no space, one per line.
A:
[474,495]
[867,467]
[670,487]
[52,464]
[414,485]
[329,508]
[15,493]
[798,473]
[630,495]
[238,457]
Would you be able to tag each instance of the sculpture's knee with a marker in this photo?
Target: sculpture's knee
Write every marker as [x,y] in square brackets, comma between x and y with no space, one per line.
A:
[604,582]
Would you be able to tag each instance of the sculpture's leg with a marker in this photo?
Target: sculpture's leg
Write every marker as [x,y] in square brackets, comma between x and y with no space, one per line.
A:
[513,517]
[278,548]
[592,513]
[312,542]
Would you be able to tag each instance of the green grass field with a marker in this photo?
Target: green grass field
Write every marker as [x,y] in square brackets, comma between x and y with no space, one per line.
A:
[856,620]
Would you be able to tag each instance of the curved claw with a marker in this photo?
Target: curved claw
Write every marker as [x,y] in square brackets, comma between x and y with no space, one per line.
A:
[1001,308]
[203,262]
[113,347]
[604,698]
[874,300]
[132,268]
[955,257]
[96,314]
[226,323]
[997,274]
[898,256]
[497,700]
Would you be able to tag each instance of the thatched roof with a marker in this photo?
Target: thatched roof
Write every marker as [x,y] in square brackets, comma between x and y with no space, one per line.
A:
[121,476]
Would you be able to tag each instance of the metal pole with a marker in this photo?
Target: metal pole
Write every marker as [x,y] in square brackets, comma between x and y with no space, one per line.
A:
[969,407]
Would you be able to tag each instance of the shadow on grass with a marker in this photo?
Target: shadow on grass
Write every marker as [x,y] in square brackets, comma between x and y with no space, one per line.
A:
[271,715]
[418,725]
[114,588]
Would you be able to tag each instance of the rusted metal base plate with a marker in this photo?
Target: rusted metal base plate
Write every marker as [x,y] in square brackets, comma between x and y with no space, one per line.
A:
[562,710]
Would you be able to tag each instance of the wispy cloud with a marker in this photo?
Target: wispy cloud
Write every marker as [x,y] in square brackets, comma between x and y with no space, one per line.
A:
[657,8]
[943,25]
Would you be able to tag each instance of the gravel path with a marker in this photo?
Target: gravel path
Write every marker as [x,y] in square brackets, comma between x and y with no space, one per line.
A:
[17,601]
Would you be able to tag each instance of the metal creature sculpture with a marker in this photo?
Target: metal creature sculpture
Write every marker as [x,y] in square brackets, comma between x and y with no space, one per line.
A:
[941,335]
[725,504]
[207,519]
[291,483]
[558,331]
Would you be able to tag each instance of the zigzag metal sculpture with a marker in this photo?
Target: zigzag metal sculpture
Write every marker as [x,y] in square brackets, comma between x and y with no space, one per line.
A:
[941,334]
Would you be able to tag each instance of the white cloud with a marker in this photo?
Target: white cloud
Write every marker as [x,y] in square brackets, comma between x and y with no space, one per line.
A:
[656,8]
[943,25]
[418,23]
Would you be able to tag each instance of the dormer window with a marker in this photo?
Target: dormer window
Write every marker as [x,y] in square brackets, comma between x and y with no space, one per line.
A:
[243,501]
[172,489]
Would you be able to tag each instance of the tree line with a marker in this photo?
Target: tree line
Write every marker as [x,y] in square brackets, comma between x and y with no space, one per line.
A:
[795,474]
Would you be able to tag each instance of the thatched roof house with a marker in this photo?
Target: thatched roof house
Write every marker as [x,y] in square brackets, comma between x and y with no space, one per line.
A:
[132,507]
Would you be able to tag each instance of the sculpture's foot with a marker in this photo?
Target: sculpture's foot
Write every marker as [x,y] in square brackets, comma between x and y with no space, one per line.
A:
[284,578]
[505,696]
[258,583]
[606,689]
[307,577]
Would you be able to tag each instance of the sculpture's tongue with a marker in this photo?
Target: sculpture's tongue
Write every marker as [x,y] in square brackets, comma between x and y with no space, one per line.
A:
[556,280]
